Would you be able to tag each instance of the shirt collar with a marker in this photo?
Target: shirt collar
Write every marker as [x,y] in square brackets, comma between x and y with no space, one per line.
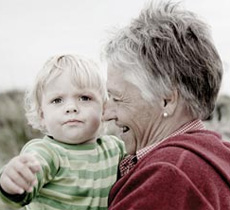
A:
[190,126]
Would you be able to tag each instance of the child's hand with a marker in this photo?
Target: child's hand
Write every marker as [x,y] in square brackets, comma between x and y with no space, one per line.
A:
[19,174]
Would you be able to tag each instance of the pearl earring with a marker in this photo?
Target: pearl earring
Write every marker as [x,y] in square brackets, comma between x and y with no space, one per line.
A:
[165,114]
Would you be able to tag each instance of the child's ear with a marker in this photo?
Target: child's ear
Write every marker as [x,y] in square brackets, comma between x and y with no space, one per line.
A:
[41,115]
[103,108]
[170,103]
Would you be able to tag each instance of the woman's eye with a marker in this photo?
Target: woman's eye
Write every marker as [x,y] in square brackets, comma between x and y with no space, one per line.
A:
[57,101]
[116,100]
[85,98]
[113,98]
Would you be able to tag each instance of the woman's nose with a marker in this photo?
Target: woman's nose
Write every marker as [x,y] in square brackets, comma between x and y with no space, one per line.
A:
[109,112]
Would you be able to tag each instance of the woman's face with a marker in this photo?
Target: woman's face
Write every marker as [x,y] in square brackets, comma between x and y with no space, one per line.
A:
[136,117]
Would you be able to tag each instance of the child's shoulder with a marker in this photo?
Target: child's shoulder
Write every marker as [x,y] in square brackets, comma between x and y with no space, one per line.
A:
[41,144]
[33,142]
[111,140]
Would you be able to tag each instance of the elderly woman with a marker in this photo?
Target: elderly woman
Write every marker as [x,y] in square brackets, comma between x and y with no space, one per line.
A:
[164,74]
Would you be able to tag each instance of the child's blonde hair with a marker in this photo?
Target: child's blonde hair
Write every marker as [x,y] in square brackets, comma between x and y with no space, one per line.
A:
[85,73]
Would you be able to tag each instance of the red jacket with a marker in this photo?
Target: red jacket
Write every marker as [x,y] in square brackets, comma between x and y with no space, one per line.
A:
[186,172]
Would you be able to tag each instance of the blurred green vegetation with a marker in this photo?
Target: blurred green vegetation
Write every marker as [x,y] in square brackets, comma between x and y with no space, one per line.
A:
[14,130]
[219,121]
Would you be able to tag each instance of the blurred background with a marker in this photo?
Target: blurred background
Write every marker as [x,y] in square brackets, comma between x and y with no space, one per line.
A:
[32,31]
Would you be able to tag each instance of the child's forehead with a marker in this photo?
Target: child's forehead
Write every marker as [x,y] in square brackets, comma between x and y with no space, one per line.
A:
[76,75]
[79,82]
[72,91]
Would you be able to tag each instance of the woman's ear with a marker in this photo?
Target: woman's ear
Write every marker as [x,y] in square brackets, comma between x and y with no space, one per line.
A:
[170,103]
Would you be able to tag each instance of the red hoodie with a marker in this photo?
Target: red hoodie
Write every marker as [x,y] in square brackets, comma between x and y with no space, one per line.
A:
[186,172]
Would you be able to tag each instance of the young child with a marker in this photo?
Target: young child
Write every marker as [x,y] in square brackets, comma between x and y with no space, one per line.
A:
[75,167]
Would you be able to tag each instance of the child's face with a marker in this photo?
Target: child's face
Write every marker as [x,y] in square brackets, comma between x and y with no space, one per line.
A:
[70,114]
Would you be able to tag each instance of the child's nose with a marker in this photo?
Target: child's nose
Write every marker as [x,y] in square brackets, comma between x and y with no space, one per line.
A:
[71,108]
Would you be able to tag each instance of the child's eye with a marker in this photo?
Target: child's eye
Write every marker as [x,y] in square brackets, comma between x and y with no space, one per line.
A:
[85,98]
[56,101]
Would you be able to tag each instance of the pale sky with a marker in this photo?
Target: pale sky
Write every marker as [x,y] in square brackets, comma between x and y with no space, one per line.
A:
[32,31]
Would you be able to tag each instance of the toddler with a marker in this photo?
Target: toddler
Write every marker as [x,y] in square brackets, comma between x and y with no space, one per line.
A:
[75,167]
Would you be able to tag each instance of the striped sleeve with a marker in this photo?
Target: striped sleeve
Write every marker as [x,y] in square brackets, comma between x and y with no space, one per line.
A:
[49,161]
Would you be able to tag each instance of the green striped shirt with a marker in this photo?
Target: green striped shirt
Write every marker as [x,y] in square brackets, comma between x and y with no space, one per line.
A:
[73,177]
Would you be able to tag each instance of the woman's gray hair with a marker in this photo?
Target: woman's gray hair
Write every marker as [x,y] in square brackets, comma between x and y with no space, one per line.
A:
[85,73]
[167,49]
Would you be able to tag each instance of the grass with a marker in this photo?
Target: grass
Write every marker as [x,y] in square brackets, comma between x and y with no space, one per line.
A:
[14,130]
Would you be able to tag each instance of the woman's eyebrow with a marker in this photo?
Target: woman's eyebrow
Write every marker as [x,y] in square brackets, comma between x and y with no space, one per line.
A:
[113,92]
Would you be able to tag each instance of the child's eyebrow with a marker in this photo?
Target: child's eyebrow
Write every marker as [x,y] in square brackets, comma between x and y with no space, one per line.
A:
[53,94]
